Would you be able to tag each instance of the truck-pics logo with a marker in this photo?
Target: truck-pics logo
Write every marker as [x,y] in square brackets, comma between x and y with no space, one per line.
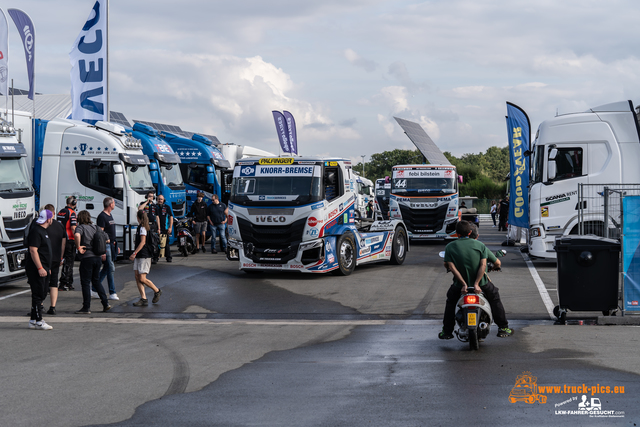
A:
[526,390]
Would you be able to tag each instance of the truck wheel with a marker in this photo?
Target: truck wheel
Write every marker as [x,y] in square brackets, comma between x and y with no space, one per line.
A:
[347,255]
[399,246]
[357,215]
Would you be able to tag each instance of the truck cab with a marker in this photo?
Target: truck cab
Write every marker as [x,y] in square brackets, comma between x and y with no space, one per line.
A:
[600,146]
[91,162]
[298,214]
[364,193]
[164,168]
[381,204]
[17,203]
[425,197]
[201,163]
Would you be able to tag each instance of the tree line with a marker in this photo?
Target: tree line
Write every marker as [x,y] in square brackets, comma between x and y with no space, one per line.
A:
[484,174]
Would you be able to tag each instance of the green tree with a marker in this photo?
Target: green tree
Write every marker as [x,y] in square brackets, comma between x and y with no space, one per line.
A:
[380,164]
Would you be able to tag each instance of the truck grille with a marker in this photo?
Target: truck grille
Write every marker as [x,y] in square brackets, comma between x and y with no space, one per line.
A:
[424,221]
[273,244]
[178,209]
[15,227]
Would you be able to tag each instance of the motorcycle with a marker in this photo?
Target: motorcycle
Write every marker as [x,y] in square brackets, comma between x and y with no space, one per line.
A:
[473,313]
[184,236]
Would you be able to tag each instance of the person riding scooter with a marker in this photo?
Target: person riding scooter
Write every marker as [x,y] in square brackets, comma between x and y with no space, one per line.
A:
[467,259]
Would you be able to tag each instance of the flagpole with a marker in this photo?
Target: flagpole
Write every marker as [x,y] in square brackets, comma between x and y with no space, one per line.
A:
[108,114]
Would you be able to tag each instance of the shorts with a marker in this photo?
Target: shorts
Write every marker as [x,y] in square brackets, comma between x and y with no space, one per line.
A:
[142,265]
[200,227]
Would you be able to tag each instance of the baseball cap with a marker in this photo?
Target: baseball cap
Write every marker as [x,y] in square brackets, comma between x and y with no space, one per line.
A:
[45,215]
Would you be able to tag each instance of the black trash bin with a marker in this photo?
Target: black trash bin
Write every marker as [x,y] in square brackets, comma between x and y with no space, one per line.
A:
[588,271]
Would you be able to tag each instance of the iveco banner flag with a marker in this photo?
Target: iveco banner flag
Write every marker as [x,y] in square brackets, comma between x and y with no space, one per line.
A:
[519,132]
[283,130]
[4,54]
[631,252]
[293,137]
[28,34]
[89,68]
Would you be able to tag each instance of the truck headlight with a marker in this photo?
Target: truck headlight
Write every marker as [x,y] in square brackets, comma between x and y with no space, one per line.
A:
[534,232]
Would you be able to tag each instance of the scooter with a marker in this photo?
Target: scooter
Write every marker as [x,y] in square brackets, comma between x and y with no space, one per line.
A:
[186,243]
[473,313]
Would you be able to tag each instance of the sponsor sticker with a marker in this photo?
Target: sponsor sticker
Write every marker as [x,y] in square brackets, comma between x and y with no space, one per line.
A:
[312,221]
[277,161]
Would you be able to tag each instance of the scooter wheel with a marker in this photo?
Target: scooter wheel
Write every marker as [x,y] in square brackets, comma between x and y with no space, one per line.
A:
[474,343]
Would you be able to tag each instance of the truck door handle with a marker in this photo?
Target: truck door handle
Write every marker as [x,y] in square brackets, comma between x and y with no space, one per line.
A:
[89,205]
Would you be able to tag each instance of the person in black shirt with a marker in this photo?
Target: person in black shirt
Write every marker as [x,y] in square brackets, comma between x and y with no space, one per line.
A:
[38,267]
[67,217]
[217,216]
[149,208]
[199,213]
[504,214]
[57,237]
[142,262]
[164,217]
[108,225]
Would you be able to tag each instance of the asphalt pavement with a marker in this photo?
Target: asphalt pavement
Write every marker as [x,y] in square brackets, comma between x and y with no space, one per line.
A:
[223,347]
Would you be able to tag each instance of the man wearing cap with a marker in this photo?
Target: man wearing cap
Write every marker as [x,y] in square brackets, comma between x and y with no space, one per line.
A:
[67,217]
[38,267]
[199,214]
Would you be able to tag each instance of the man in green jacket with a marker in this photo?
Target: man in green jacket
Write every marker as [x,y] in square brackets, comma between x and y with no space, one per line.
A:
[467,260]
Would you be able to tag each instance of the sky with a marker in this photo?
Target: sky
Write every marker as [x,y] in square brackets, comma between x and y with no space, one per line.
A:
[345,68]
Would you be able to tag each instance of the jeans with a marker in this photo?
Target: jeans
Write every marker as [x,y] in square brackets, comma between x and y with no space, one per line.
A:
[39,288]
[490,293]
[90,275]
[218,229]
[109,268]
[493,217]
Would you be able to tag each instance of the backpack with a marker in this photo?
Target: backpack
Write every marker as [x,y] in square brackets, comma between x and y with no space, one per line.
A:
[99,242]
[152,244]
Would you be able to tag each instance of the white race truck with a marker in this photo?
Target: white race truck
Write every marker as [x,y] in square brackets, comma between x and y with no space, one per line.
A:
[425,197]
[598,146]
[297,214]
[364,193]
[17,203]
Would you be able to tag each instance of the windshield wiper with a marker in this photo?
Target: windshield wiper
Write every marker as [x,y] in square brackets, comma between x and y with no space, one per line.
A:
[8,190]
[22,188]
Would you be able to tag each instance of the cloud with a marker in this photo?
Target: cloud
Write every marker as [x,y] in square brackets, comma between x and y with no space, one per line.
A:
[358,61]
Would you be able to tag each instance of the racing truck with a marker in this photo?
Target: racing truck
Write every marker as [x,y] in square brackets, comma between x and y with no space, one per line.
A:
[298,214]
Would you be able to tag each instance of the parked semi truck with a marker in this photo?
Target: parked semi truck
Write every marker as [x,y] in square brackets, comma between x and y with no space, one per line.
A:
[364,193]
[381,204]
[17,202]
[298,214]
[91,162]
[598,146]
[164,168]
[425,197]
[201,163]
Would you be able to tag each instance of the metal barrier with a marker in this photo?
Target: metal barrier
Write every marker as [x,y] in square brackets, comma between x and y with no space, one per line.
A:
[600,209]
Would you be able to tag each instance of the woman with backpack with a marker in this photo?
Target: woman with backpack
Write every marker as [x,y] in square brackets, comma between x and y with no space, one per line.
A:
[141,258]
[92,253]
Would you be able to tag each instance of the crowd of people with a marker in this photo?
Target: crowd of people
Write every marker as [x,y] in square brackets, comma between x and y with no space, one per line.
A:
[53,245]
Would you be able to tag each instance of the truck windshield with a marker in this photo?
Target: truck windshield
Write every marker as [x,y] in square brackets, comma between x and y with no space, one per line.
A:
[423,186]
[537,163]
[13,175]
[139,178]
[172,176]
[276,190]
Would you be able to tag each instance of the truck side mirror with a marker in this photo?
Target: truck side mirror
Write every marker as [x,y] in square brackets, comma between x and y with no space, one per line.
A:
[210,179]
[553,153]
[118,181]
[551,170]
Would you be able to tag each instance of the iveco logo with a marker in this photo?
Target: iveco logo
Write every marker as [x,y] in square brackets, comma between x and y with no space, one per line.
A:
[269,218]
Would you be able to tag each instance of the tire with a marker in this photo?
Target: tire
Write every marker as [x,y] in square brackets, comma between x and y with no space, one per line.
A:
[347,255]
[399,247]
[474,344]
[190,246]
[357,215]
[183,251]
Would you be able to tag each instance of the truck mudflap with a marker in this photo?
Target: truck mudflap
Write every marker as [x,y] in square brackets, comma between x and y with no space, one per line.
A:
[341,252]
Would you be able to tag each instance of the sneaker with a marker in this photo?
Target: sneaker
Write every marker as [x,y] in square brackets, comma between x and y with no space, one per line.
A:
[107,308]
[52,310]
[63,288]
[141,303]
[82,312]
[32,324]
[43,326]
[213,251]
[444,336]
[505,332]
[169,259]
[154,260]
[70,287]
[195,251]
[95,295]
[114,297]
[204,251]
[156,296]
